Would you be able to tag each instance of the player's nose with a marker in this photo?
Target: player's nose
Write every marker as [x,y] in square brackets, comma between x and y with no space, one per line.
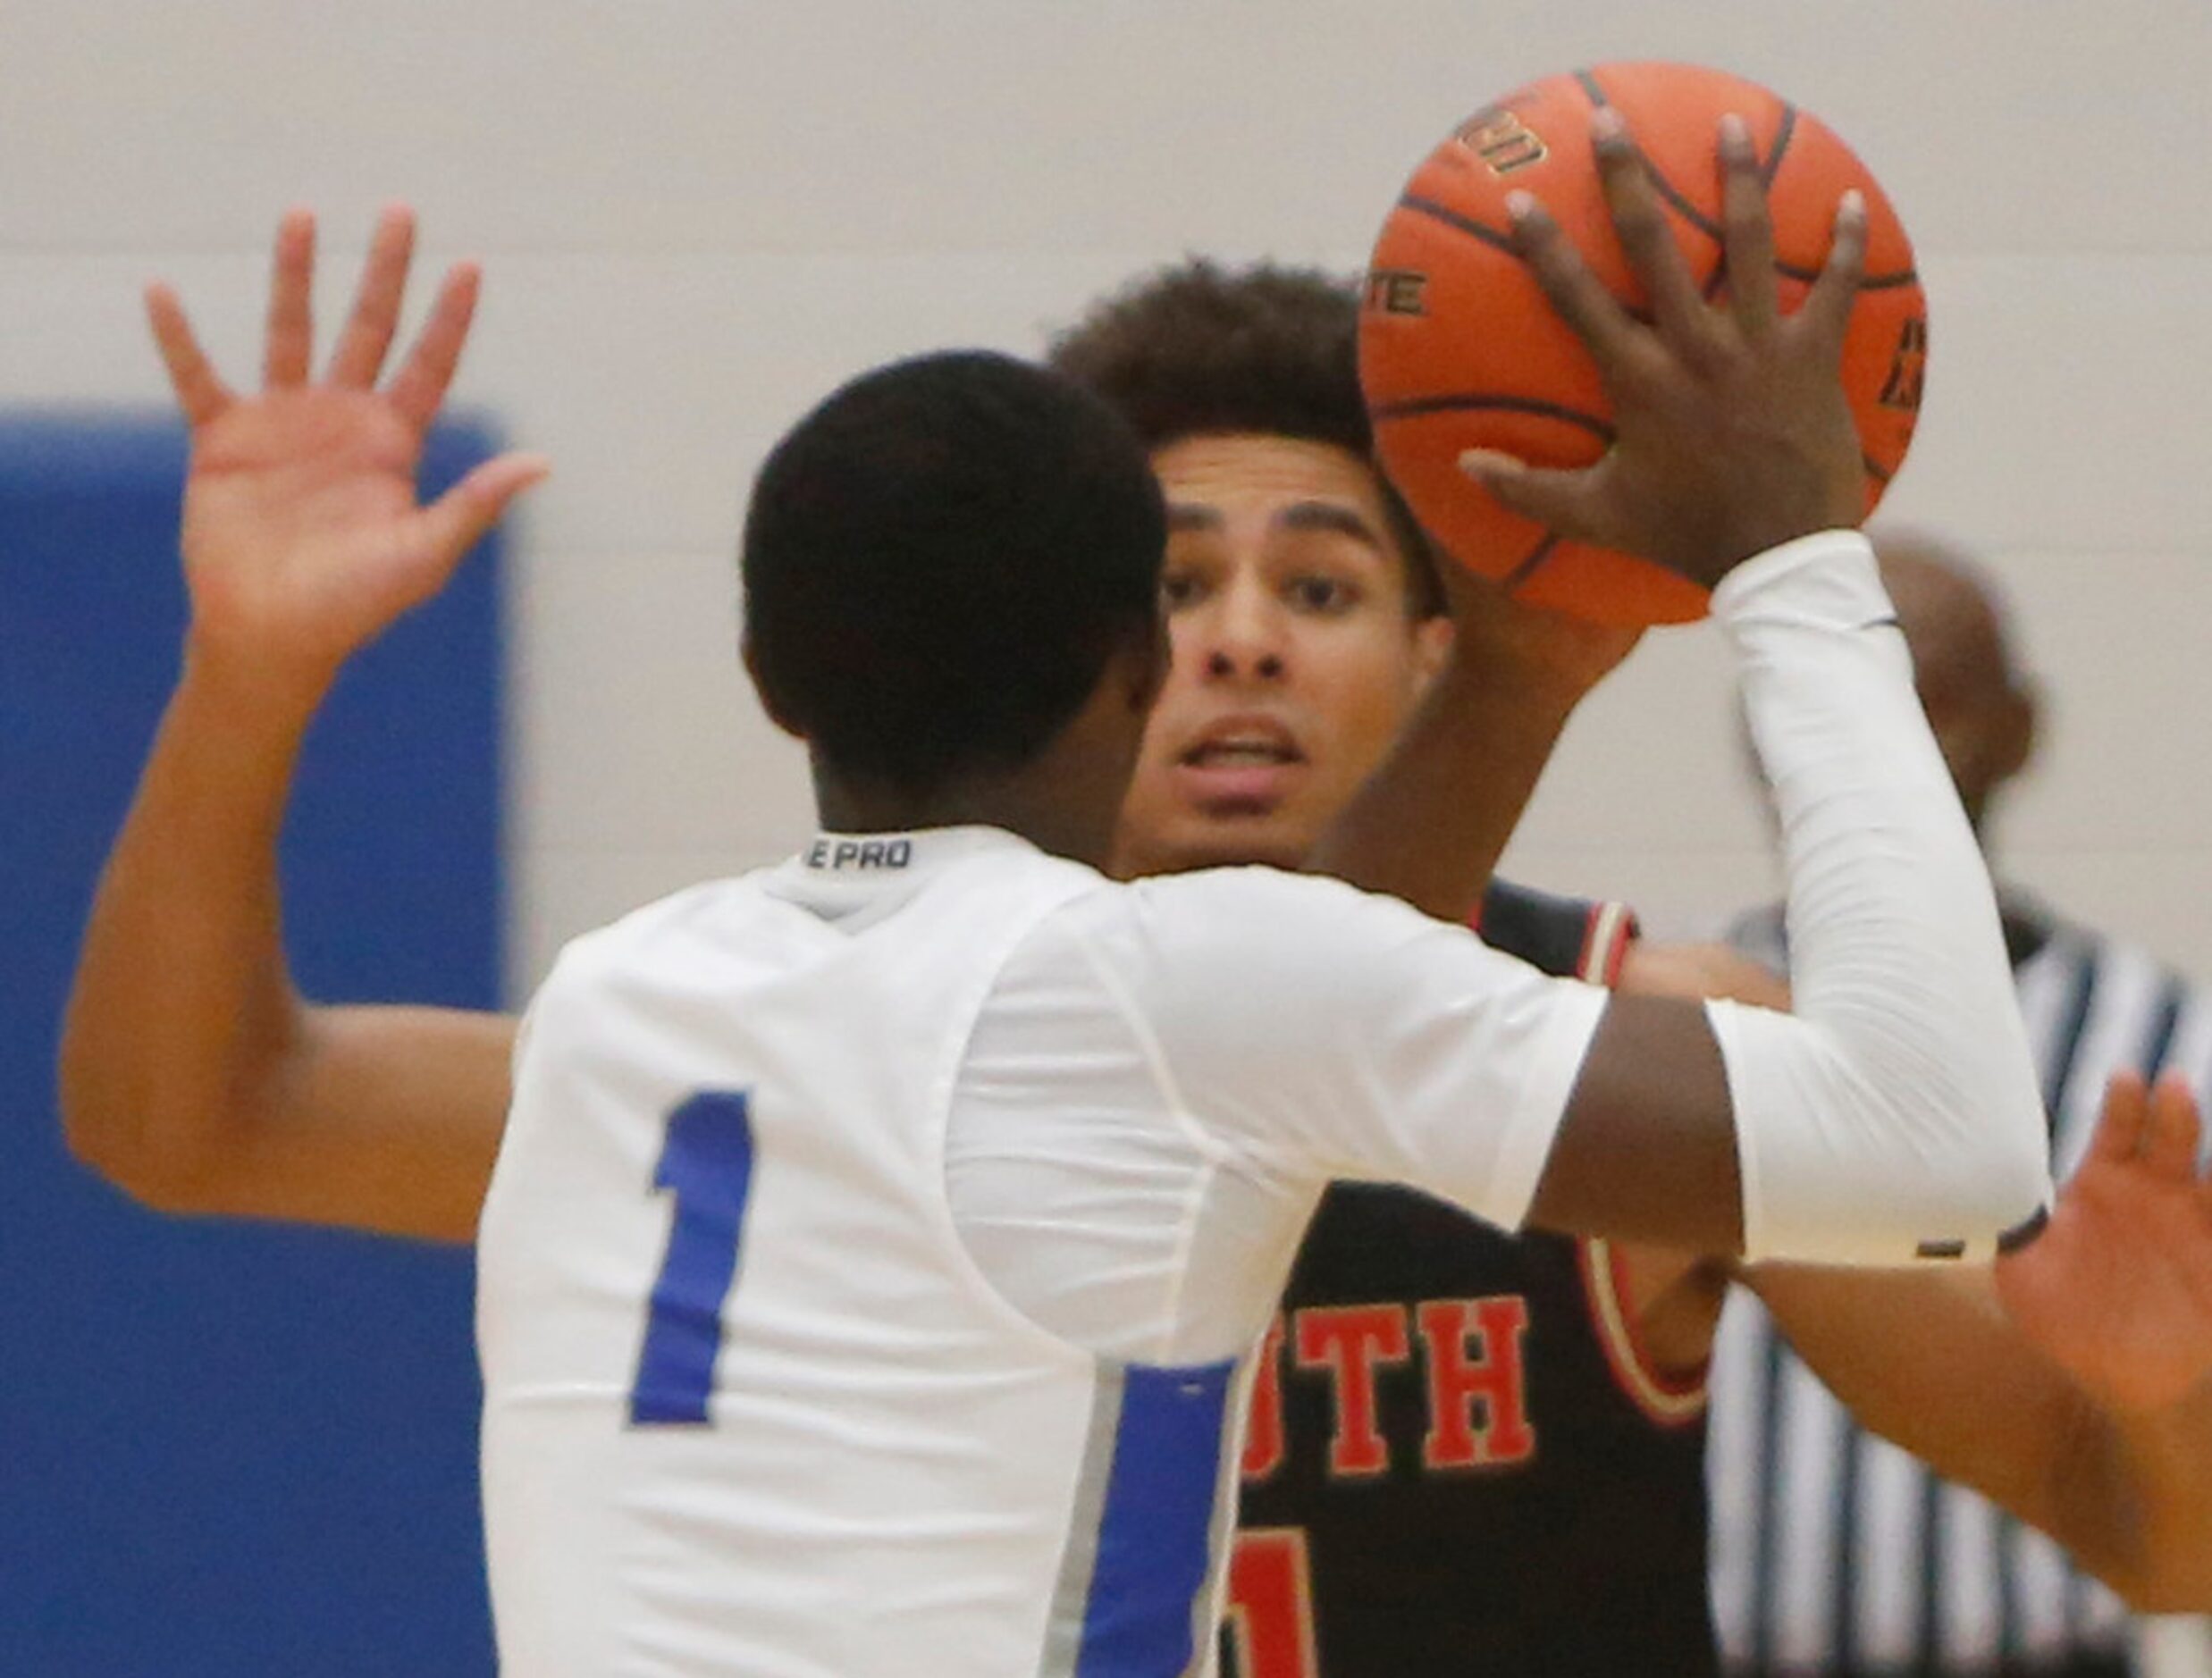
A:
[1245,634]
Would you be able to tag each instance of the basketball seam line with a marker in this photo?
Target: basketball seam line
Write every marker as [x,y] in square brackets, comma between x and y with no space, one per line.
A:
[1783,135]
[1533,563]
[1415,407]
[1463,224]
[1596,93]
[1503,241]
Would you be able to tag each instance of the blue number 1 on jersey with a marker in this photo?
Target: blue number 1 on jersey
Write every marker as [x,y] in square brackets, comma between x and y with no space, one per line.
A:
[707,1163]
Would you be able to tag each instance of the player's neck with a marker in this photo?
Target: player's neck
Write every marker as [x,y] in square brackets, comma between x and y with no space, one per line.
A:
[1065,798]
[1031,802]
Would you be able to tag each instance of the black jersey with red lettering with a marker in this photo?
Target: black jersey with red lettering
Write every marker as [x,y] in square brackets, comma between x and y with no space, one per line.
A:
[1458,1462]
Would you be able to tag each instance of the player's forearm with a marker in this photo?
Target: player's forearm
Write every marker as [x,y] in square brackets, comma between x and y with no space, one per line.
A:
[1928,1360]
[1897,1115]
[182,1016]
[1430,825]
[1933,1362]
[2134,1499]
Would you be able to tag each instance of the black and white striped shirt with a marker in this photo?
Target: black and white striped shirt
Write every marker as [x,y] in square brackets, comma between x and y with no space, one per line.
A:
[1835,1552]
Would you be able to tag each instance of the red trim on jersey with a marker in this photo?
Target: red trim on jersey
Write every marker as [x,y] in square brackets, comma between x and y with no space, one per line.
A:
[1611,930]
[1669,1400]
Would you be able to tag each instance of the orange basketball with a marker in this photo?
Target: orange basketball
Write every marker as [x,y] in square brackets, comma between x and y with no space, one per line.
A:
[1459,348]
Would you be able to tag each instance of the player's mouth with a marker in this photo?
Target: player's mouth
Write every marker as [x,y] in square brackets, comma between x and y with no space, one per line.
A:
[1239,765]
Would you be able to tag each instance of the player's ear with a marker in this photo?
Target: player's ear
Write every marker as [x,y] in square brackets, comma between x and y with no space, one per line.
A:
[777,713]
[1432,647]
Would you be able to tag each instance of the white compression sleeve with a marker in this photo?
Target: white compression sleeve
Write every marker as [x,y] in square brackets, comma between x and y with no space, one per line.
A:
[1894,1116]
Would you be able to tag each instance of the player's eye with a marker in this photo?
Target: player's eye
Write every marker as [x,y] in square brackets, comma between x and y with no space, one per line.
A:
[1315,592]
[1179,589]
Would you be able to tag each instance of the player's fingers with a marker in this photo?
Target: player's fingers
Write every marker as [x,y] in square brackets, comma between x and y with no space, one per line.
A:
[1558,500]
[367,340]
[200,393]
[456,519]
[1826,311]
[2119,1133]
[1640,224]
[2169,1145]
[421,383]
[1574,292]
[292,281]
[1748,230]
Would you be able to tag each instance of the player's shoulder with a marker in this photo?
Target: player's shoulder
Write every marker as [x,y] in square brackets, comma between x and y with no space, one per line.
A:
[592,954]
[1256,905]
[1189,923]
[1190,940]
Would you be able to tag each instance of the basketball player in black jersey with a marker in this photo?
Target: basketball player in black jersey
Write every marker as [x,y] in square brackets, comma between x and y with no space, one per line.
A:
[1469,1452]
[203,1084]
[1458,1460]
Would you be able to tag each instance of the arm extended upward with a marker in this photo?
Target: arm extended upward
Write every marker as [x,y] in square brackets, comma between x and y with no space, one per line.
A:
[192,1073]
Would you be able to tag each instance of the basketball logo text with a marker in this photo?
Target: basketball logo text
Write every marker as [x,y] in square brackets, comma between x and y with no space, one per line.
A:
[1907,367]
[1502,140]
[1397,291]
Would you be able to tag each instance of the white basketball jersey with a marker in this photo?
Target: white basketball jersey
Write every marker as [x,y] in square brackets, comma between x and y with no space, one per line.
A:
[751,1406]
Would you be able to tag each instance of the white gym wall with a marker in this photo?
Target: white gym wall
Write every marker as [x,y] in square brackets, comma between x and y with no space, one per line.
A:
[697,215]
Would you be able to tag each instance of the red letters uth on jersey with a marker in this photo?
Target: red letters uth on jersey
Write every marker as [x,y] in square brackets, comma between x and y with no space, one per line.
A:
[1477,1418]
[1471,1354]
[1458,1382]
[1348,1341]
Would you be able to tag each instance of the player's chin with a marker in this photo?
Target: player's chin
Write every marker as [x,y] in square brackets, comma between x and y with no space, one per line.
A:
[1231,833]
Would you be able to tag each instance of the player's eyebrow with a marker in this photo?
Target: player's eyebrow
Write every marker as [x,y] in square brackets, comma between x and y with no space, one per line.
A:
[1193,515]
[1297,516]
[1329,516]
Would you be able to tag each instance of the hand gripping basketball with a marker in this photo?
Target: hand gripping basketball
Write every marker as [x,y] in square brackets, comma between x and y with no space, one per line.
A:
[1731,430]
[1461,349]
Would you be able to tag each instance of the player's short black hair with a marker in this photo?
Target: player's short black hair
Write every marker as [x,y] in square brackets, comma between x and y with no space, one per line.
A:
[938,561]
[1199,349]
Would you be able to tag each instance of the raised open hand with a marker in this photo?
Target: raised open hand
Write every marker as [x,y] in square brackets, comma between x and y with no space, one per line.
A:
[303,538]
[1731,431]
[2118,1289]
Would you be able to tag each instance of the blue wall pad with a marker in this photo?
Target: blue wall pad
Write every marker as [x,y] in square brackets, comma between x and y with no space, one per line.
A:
[229,1449]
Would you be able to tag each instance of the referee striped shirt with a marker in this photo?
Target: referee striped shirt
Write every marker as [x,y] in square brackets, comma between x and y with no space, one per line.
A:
[1835,1552]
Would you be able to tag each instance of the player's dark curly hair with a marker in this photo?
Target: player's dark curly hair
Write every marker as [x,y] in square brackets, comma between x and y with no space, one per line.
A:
[939,560]
[1198,349]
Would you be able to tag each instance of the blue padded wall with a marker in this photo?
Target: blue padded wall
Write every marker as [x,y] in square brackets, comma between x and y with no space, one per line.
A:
[229,1449]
